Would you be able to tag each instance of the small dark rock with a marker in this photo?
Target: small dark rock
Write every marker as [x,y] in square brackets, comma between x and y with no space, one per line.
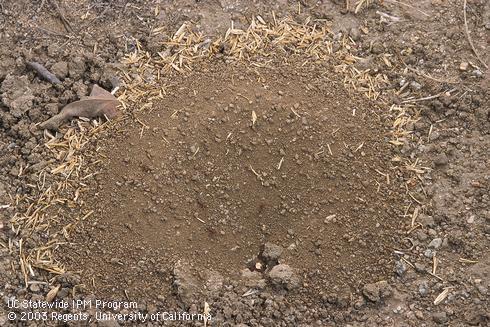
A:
[441,160]
[271,253]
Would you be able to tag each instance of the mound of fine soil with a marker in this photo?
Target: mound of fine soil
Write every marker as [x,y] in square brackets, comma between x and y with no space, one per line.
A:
[236,157]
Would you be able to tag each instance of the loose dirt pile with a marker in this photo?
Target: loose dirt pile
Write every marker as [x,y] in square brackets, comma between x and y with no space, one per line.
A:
[234,158]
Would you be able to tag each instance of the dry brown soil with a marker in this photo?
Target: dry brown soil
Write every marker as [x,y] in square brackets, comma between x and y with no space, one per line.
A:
[197,179]
[188,191]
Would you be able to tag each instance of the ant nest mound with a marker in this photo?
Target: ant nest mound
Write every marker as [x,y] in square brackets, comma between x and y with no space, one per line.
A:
[233,158]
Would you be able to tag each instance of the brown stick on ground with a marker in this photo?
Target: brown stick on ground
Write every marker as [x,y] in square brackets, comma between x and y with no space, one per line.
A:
[469,37]
[65,21]
[46,74]
[100,103]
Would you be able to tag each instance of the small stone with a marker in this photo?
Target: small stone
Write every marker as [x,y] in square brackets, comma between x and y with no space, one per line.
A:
[428,253]
[16,94]
[423,288]
[434,136]
[439,317]
[435,243]
[115,261]
[271,253]
[60,69]
[34,288]
[252,279]
[377,48]
[186,284]
[355,34]
[415,85]
[64,292]
[249,274]
[441,160]
[364,63]
[52,108]
[419,267]
[477,73]
[426,221]
[421,235]
[76,68]
[463,66]
[214,281]
[375,292]
[283,275]
[400,268]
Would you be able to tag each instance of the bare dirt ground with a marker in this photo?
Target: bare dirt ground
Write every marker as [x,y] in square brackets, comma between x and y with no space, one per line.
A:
[311,163]
[210,185]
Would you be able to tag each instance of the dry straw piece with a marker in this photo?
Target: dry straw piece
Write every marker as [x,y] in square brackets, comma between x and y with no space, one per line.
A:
[441,297]
[145,79]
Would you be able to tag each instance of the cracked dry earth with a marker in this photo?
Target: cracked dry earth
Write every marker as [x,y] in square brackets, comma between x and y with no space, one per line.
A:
[233,159]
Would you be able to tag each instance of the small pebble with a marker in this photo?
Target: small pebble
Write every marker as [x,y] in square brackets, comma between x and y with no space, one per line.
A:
[423,288]
[435,243]
[439,317]
[463,66]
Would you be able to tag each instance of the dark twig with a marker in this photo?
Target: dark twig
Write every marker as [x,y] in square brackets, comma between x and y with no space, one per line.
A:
[65,21]
[44,73]
[469,37]
[435,96]
[51,32]
[107,7]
